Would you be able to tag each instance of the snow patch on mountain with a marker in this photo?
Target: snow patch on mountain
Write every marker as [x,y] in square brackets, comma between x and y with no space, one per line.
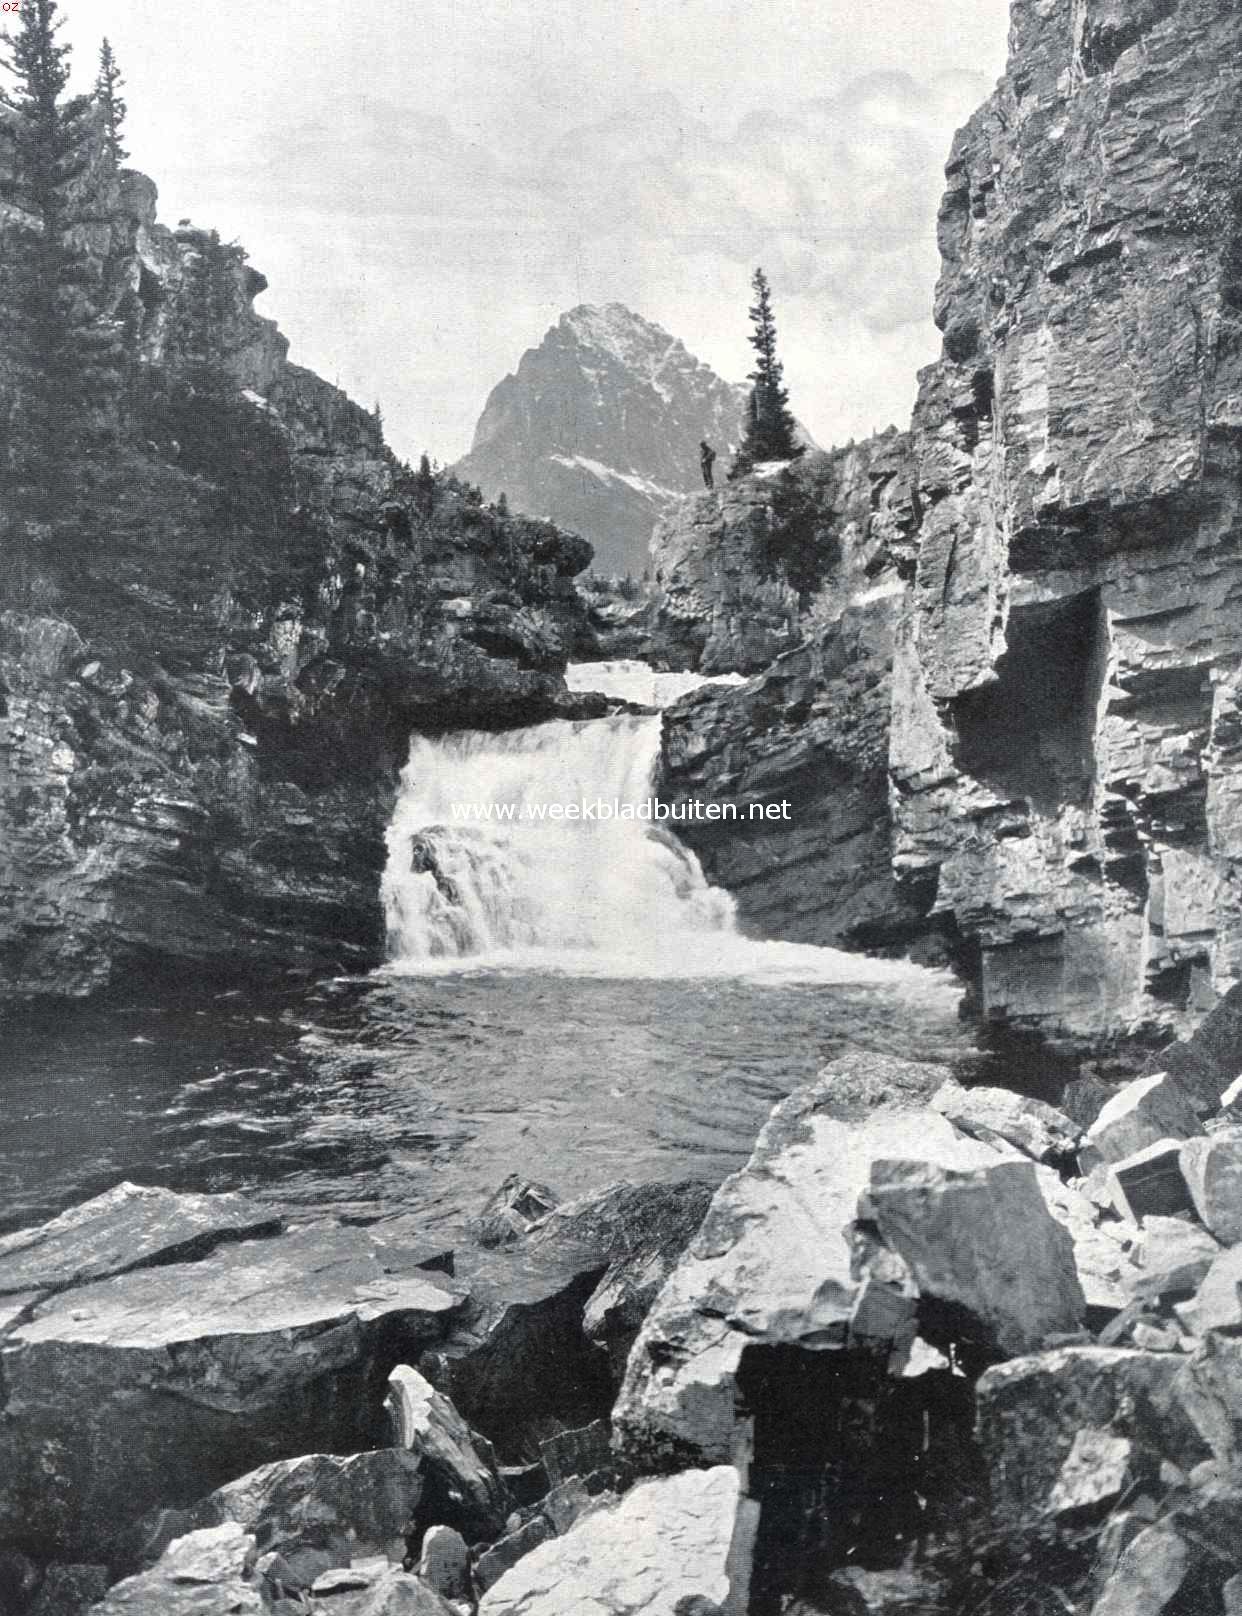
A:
[640,485]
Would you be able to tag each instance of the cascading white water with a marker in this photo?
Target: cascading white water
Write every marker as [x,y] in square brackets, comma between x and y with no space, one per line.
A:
[469,887]
[456,889]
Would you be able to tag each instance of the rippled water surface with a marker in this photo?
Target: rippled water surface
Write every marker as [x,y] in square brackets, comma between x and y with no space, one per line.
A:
[422,1091]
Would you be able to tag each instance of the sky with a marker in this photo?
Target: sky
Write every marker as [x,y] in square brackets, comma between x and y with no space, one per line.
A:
[429,184]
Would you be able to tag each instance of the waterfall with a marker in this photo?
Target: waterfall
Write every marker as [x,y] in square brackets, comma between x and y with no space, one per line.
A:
[617,886]
[465,888]
[635,681]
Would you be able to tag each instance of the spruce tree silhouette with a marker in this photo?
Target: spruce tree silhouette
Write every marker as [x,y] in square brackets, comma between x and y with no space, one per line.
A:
[771,431]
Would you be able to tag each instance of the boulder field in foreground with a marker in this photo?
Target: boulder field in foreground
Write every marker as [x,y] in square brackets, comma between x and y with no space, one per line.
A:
[892,1329]
[1106,1351]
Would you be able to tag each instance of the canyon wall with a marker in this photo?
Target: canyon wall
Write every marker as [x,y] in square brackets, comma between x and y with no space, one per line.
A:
[218,634]
[1063,767]
[1064,747]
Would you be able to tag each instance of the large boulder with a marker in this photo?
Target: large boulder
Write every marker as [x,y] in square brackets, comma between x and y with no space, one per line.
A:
[773,1261]
[207,1573]
[1032,1411]
[1172,1258]
[985,1241]
[1212,1168]
[517,1365]
[392,1593]
[641,1230]
[459,1465]
[1183,1561]
[1209,1388]
[670,1546]
[1146,1110]
[130,1226]
[1217,1304]
[1207,1062]
[322,1510]
[156,1386]
[1032,1126]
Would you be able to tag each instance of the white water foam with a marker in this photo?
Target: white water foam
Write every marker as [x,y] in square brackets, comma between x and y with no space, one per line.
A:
[635,681]
[607,898]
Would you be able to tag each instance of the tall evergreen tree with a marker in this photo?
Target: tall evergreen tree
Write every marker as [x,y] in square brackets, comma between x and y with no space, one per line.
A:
[108,85]
[771,433]
[66,357]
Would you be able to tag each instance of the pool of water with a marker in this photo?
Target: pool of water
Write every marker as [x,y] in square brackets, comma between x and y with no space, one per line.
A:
[421,1091]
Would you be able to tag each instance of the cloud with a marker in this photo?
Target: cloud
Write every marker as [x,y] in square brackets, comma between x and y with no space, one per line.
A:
[418,263]
[837,198]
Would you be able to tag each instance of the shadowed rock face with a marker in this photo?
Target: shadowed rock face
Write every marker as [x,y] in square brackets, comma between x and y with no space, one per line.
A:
[215,646]
[811,729]
[1063,735]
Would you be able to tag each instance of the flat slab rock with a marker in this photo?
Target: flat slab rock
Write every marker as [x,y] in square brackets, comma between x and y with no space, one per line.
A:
[154,1387]
[305,1279]
[772,1261]
[130,1226]
[667,1544]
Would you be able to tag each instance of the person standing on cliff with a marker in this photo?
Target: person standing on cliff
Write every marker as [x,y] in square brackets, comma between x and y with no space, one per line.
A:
[707,459]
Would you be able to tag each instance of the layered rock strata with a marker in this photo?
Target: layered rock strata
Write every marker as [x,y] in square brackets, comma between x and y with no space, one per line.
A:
[1063,747]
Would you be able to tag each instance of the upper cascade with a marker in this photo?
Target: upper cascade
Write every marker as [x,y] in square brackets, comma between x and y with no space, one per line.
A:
[599,429]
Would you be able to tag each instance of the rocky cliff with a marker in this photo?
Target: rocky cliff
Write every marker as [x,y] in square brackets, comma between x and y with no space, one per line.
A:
[215,640]
[795,575]
[1063,752]
[1064,748]
[599,429]
[758,566]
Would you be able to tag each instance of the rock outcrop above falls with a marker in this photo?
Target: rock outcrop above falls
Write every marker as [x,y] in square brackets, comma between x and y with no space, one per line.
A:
[801,568]
[760,565]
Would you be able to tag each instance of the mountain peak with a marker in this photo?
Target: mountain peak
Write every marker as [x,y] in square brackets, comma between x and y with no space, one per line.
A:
[599,429]
[611,328]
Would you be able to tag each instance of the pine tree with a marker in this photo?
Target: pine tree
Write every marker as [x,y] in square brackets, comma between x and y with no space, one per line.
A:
[771,433]
[66,357]
[425,483]
[108,84]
